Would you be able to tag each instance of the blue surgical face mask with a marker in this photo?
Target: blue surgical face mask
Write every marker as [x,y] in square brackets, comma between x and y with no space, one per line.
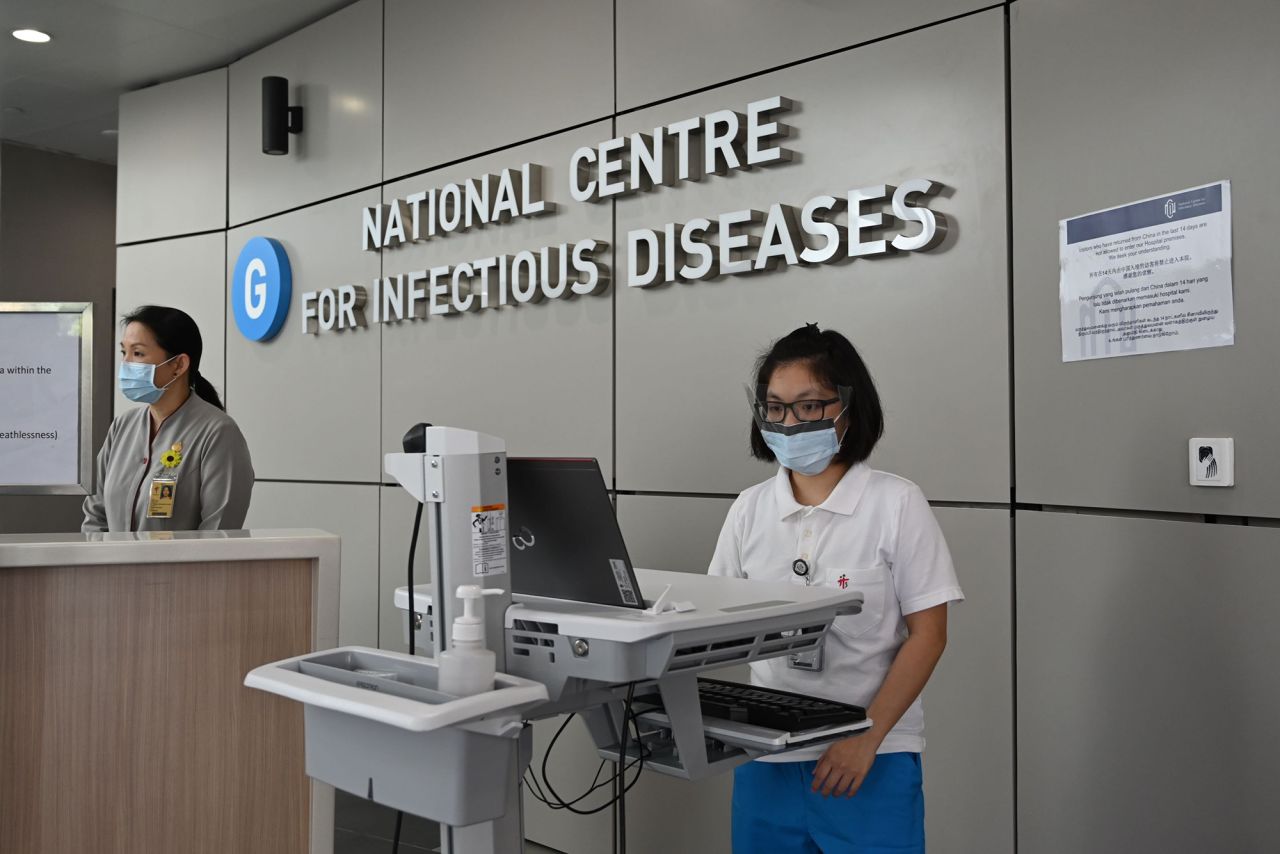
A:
[138,381]
[806,448]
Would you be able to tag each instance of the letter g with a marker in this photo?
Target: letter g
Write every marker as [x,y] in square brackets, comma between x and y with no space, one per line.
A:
[255,289]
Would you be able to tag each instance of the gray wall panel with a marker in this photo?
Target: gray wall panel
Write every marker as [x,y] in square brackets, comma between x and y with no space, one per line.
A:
[308,404]
[188,273]
[969,700]
[469,77]
[335,75]
[676,533]
[571,768]
[1146,698]
[931,326]
[395,525]
[673,816]
[666,47]
[349,511]
[537,375]
[172,168]
[671,532]
[1128,123]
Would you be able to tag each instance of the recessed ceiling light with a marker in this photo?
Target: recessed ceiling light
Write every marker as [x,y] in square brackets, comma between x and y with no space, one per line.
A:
[110,132]
[33,36]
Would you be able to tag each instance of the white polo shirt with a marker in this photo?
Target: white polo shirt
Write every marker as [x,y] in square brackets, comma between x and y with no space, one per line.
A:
[875,533]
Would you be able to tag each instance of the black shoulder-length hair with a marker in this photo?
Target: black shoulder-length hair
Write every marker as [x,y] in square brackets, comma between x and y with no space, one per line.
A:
[176,333]
[834,362]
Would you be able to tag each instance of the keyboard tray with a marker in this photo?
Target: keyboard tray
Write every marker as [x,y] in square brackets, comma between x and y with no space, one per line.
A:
[757,738]
[724,723]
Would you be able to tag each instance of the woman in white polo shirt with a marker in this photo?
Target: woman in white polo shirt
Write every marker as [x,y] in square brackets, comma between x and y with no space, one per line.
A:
[828,519]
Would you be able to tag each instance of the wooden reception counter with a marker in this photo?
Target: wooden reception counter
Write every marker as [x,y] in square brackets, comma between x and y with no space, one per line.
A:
[125,727]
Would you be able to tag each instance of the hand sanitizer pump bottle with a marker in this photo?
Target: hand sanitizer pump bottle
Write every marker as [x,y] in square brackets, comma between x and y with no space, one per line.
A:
[467,667]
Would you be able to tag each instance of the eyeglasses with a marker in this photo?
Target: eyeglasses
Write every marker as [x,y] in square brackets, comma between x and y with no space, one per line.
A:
[775,411]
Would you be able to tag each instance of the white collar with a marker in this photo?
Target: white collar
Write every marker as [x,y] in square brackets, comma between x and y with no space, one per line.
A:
[843,499]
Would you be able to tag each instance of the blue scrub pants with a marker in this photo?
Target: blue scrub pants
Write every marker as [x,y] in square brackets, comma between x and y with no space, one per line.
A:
[775,811]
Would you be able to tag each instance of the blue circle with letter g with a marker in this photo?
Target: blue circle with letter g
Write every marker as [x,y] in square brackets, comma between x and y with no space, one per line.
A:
[261,287]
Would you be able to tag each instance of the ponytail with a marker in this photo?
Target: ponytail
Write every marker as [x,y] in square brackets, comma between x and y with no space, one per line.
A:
[205,390]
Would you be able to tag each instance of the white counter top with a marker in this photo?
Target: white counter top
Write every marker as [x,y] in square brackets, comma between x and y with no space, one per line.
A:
[167,547]
[195,548]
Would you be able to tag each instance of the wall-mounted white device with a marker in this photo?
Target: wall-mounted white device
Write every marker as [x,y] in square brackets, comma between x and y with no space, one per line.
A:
[1213,462]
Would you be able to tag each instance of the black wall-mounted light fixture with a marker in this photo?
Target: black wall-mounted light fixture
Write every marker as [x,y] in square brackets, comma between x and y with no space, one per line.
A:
[278,118]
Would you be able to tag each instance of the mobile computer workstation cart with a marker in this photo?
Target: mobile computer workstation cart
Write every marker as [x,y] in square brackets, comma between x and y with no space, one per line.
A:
[378,727]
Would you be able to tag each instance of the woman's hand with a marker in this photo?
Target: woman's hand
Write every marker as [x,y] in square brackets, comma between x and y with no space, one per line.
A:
[844,766]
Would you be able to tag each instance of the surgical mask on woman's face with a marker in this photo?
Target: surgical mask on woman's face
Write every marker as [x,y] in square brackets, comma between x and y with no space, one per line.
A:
[138,381]
[806,448]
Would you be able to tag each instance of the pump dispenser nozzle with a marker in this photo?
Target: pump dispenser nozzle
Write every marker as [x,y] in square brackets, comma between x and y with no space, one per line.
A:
[469,628]
[467,667]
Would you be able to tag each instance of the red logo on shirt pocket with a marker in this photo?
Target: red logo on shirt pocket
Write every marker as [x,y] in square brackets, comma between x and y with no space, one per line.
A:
[871,583]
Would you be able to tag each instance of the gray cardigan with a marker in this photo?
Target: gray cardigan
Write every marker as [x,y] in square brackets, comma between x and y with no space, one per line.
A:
[214,478]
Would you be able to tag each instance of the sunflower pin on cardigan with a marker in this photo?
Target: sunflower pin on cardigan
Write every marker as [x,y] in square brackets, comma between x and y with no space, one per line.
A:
[172,458]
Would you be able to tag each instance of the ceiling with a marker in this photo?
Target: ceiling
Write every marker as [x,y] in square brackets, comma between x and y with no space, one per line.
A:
[62,95]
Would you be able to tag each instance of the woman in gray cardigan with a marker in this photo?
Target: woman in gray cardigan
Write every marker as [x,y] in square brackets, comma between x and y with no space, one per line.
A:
[179,463]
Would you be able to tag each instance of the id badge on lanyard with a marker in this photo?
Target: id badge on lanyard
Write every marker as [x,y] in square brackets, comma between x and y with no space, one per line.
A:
[164,489]
[811,659]
[163,492]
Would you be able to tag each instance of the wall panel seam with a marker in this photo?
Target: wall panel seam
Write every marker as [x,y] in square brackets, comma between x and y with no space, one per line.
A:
[1013,442]
[378,186]
[226,298]
[226,239]
[323,482]
[658,493]
[579,126]
[500,148]
[382,359]
[170,237]
[613,291]
[1157,515]
[226,156]
[798,62]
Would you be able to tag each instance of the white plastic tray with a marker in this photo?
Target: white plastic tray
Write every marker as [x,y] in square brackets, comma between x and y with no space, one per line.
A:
[368,696]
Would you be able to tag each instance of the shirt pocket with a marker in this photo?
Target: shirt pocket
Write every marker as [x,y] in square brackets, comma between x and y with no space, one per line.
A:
[873,584]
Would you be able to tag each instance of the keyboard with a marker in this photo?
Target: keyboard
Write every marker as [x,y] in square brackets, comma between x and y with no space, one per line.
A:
[771,708]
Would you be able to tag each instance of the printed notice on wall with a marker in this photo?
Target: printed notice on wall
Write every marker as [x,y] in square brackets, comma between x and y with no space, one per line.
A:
[1148,277]
[489,540]
[39,399]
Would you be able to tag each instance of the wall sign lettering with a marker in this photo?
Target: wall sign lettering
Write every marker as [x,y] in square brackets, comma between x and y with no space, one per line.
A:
[861,222]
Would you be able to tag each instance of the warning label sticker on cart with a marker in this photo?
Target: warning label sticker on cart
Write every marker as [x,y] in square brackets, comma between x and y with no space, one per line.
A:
[623,579]
[489,540]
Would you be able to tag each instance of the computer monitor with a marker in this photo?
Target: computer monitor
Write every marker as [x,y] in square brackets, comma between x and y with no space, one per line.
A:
[565,540]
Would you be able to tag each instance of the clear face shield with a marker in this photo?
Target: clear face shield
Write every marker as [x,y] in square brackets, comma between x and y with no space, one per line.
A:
[799,416]
[800,433]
